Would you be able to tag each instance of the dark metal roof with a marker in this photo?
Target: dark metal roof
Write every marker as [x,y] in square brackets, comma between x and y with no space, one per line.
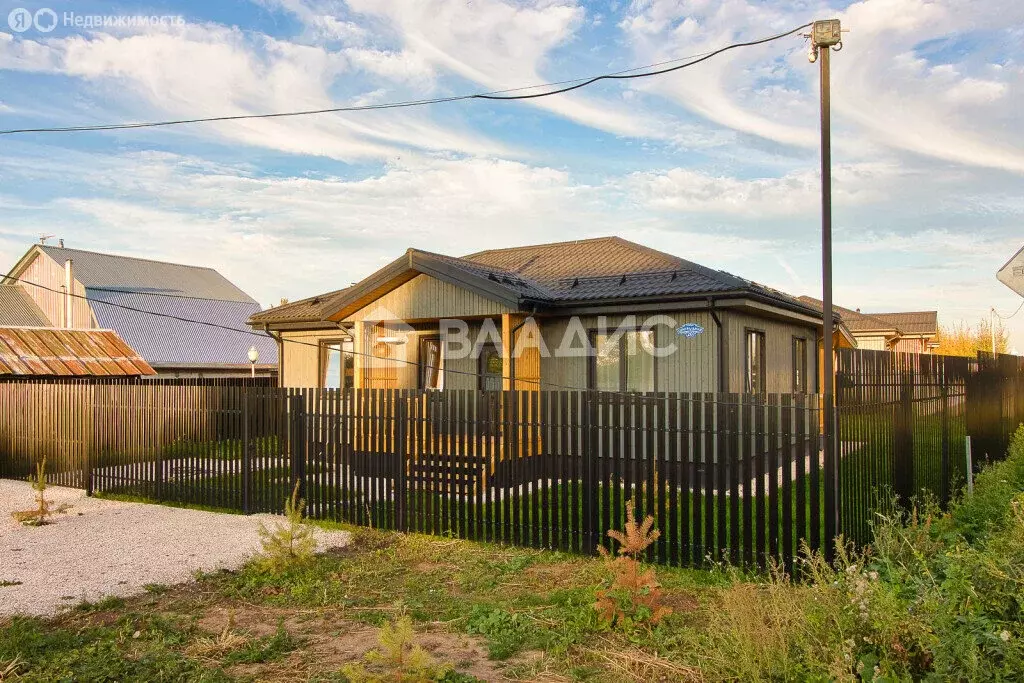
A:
[855,321]
[126,273]
[17,308]
[606,269]
[176,339]
[48,351]
[912,322]
[311,309]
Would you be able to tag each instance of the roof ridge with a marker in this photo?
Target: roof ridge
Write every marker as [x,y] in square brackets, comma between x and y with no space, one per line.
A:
[48,247]
[543,245]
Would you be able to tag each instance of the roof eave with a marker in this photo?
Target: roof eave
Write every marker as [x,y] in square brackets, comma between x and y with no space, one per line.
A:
[405,268]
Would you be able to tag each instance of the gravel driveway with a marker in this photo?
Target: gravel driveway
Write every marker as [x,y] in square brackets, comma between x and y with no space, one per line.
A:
[103,547]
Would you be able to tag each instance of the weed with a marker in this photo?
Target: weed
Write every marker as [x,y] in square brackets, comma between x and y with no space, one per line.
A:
[290,543]
[259,650]
[632,595]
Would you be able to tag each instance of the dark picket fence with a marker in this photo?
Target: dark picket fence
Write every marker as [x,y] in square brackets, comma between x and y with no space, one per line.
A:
[905,422]
[727,477]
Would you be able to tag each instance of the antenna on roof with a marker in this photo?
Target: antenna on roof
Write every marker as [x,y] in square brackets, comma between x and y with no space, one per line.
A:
[43,237]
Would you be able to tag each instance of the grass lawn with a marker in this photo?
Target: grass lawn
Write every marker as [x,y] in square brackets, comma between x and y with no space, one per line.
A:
[491,612]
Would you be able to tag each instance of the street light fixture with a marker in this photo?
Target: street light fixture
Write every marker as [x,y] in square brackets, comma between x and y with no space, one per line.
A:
[254,355]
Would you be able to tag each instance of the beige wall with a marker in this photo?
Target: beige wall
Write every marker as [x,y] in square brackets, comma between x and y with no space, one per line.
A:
[427,298]
[778,351]
[873,343]
[693,367]
[43,270]
[300,362]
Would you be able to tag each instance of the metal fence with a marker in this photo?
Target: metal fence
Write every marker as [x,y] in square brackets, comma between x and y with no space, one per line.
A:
[727,477]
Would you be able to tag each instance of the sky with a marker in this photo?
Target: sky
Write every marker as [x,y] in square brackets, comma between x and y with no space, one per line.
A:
[717,163]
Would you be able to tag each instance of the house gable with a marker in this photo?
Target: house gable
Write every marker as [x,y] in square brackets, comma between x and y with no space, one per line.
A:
[428,298]
[38,268]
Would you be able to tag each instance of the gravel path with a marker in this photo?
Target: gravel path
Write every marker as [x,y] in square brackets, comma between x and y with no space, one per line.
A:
[102,547]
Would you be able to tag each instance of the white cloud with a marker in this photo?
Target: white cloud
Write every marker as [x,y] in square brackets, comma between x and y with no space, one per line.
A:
[682,189]
[884,90]
[208,70]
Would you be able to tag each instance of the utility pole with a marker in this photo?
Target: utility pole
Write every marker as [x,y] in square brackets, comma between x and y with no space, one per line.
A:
[991,328]
[824,36]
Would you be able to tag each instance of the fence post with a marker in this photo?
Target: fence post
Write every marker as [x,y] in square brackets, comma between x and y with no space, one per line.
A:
[401,451]
[246,461]
[945,444]
[157,415]
[590,511]
[903,451]
[297,432]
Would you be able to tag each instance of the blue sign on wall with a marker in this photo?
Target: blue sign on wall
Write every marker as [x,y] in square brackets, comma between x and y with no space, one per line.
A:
[689,330]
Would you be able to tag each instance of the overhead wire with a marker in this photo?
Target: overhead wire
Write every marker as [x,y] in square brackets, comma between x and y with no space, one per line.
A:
[283,340]
[490,95]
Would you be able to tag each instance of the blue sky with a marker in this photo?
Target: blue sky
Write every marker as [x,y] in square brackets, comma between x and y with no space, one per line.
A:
[718,163]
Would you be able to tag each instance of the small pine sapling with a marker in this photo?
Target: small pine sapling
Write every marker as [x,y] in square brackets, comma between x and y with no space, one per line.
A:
[289,543]
[40,515]
[632,595]
[398,658]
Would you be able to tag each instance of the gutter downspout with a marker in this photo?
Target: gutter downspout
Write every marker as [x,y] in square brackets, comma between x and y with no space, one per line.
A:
[722,360]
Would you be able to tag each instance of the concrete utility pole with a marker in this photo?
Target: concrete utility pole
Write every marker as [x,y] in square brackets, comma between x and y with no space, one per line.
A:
[992,328]
[825,36]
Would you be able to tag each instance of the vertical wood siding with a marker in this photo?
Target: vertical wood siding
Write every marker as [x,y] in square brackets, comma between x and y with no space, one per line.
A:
[778,351]
[426,298]
[692,367]
[43,270]
[300,362]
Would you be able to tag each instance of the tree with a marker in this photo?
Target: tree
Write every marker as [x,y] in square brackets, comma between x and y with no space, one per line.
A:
[964,340]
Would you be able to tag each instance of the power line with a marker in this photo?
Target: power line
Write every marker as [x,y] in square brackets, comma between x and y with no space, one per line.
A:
[1007,317]
[491,95]
[290,341]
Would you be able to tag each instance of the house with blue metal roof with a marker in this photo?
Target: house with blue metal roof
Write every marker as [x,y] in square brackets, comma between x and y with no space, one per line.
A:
[183,320]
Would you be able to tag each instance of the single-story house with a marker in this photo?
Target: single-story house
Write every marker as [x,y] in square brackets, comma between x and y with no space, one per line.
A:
[184,321]
[905,332]
[605,314]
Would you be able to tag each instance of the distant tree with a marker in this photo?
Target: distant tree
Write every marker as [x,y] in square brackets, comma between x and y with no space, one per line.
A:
[965,340]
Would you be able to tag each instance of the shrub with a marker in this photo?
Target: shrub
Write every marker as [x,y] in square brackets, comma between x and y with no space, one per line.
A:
[289,543]
[44,509]
[631,595]
[398,658]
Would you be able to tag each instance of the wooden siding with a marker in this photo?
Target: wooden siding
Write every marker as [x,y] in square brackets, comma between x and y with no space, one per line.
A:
[693,366]
[300,362]
[44,271]
[427,298]
[778,351]
[872,343]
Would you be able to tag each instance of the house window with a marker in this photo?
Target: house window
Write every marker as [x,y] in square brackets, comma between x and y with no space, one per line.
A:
[755,362]
[431,363]
[337,366]
[623,361]
[799,365]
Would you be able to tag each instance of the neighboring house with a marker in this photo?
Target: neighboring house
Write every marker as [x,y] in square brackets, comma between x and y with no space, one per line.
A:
[53,352]
[185,321]
[601,313]
[909,332]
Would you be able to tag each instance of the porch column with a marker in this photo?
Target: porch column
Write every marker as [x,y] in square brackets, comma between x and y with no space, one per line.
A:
[358,358]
